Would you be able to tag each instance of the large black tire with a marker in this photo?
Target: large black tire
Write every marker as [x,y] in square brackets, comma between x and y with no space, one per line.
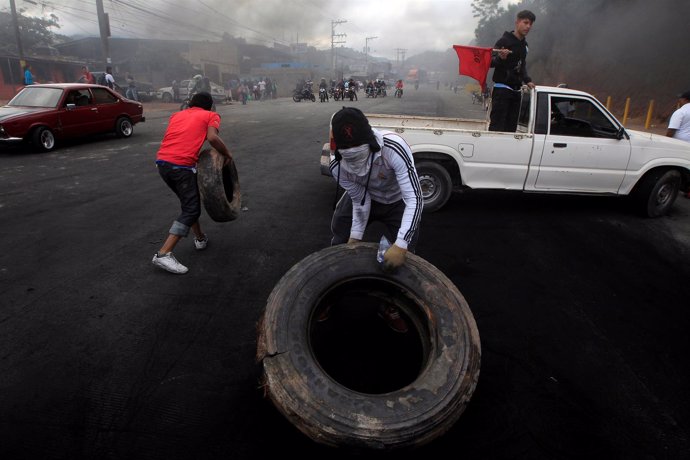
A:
[219,186]
[327,410]
[43,139]
[657,191]
[312,97]
[124,127]
[167,97]
[436,185]
[296,98]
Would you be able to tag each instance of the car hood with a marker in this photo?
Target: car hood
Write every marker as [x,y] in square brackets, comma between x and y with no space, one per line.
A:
[671,147]
[7,112]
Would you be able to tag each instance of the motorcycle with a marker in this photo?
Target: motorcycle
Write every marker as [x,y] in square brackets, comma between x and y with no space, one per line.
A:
[381,92]
[323,95]
[338,94]
[298,95]
[398,92]
[350,92]
[371,92]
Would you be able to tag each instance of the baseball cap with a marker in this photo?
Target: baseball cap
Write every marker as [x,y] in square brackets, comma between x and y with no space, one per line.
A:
[351,129]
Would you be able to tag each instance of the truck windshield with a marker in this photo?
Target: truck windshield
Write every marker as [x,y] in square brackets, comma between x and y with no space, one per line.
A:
[37,97]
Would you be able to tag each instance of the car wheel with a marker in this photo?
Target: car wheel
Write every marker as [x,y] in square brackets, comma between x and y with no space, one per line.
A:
[167,97]
[339,372]
[43,139]
[124,127]
[219,186]
[436,185]
[657,191]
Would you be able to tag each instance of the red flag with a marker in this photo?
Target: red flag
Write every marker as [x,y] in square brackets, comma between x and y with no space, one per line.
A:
[474,62]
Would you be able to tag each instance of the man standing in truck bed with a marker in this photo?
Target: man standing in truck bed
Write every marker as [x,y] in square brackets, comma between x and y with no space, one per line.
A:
[510,73]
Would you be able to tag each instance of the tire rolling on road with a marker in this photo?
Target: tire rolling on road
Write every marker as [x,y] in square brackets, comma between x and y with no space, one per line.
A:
[343,375]
[219,186]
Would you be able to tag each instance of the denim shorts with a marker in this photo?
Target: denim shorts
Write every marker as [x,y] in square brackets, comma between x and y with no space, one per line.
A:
[182,181]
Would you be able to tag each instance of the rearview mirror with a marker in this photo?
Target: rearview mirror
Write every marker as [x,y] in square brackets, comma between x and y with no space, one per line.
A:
[71,106]
[621,133]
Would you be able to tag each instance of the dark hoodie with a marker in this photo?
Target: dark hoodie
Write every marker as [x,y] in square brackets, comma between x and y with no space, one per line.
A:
[513,70]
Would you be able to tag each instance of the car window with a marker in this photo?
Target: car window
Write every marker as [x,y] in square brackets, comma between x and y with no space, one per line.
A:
[579,117]
[37,97]
[523,119]
[103,96]
[79,97]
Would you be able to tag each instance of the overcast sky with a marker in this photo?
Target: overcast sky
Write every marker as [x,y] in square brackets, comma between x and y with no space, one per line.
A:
[412,25]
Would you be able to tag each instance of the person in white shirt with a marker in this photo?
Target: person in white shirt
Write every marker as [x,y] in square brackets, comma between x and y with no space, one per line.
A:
[377,171]
[679,124]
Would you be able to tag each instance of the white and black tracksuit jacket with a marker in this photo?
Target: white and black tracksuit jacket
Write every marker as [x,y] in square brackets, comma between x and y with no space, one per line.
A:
[393,177]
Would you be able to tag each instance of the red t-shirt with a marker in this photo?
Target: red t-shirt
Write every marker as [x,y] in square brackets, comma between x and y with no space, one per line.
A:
[185,135]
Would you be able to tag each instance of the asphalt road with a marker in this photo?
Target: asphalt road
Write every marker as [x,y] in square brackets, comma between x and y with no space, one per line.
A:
[582,306]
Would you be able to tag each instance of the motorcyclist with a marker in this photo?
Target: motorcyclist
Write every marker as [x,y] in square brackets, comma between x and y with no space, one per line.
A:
[194,86]
[371,90]
[323,85]
[399,86]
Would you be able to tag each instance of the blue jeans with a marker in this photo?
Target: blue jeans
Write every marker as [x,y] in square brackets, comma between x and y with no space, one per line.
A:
[131,93]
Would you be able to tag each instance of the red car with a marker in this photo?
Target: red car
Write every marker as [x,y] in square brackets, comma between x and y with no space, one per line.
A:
[43,114]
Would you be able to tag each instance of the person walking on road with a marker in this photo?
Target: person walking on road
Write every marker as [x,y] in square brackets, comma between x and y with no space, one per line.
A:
[679,124]
[176,161]
[28,76]
[510,73]
[131,92]
[86,76]
[377,171]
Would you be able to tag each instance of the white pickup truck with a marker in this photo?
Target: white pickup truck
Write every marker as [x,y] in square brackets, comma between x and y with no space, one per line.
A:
[566,142]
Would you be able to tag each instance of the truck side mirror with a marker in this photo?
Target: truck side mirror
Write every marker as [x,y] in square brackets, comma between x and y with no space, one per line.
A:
[621,133]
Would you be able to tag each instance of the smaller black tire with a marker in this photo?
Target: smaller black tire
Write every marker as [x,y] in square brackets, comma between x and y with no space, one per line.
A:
[657,191]
[436,185]
[43,139]
[167,97]
[313,98]
[296,98]
[219,186]
[124,127]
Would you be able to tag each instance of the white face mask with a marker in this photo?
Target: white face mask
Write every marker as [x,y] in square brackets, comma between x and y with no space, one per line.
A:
[356,159]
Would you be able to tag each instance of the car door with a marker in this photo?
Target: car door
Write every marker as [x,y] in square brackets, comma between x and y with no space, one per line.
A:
[108,109]
[78,113]
[581,150]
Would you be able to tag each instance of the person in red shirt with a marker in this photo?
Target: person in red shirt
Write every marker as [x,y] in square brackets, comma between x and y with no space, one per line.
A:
[176,161]
[86,76]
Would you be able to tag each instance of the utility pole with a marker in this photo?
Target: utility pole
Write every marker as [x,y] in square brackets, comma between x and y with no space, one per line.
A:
[334,42]
[366,53]
[104,27]
[400,51]
[18,37]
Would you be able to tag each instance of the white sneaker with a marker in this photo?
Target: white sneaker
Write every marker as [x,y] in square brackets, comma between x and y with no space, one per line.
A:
[201,244]
[169,263]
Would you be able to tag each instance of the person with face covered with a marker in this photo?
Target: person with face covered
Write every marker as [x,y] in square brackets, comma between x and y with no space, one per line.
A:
[377,171]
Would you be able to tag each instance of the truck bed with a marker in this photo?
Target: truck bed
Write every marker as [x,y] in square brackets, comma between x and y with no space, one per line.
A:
[397,122]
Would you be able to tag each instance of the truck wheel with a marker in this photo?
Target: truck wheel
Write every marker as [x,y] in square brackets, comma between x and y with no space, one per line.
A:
[436,185]
[219,186]
[43,139]
[657,191]
[336,370]
[167,97]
